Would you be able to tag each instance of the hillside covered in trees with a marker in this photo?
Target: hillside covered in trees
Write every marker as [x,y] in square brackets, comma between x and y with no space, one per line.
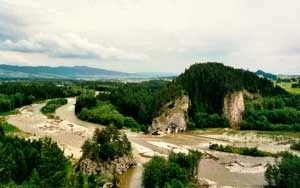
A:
[15,94]
[206,84]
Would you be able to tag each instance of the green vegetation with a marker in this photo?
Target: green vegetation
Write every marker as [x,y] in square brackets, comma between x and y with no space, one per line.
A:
[11,112]
[284,174]
[278,113]
[52,105]
[41,163]
[7,128]
[106,144]
[144,100]
[208,83]
[291,85]
[266,75]
[180,170]
[36,163]
[296,146]
[204,120]
[90,109]
[85,100]
[16,94]
[241,150]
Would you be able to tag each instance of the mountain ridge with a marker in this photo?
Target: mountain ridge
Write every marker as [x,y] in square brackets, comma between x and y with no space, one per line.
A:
[67,72]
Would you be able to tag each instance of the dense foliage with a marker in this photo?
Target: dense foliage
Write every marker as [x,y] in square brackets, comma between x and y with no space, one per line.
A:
[208,83]
[276,113]
[6,128]
[240,150]
[142,101]
[36,163]
[16,94]
[285,174]
[180,170]
[103,112]
[52,105]
[203,120]
[106,144]
[85,100]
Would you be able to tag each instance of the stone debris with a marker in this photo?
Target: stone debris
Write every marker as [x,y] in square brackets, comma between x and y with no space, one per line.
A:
[119,165]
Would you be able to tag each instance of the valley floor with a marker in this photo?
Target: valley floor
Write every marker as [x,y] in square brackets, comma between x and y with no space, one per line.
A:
[223,168]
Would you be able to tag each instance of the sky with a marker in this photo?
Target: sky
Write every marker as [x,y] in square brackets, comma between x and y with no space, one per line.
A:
[152,35]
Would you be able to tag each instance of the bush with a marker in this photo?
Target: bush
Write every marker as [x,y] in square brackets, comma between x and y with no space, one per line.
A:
[52,105]
[240,150]
[284,174]
[85,100]
[204,120]
[105,113]
[178,171]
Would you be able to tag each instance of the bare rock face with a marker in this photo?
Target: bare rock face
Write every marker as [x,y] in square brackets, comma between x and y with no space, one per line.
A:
[233,108]
[119,165]
[174,117]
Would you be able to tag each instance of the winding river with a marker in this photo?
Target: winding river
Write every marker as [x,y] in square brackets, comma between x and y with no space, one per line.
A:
[70,133]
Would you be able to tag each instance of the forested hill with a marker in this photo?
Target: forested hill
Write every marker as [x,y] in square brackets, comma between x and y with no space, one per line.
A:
[266,75]
[208,83]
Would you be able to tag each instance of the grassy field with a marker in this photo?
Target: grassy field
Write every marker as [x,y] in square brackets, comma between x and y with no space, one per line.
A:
[288,88]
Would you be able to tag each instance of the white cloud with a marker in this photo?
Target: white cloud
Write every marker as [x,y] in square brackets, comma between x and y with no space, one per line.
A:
[68,46]
[155,35]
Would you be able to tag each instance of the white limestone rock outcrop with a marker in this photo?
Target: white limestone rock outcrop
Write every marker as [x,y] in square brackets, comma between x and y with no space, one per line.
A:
[174,117]
[233,109]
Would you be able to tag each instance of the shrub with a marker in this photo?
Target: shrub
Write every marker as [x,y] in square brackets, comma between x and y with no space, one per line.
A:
[178,171]
[52,105]
[240,150]
[285,174]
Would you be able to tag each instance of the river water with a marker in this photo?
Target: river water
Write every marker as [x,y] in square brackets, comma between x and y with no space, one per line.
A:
[208,168]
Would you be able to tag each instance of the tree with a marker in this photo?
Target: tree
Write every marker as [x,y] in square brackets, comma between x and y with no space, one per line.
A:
[284,174]
[177,171]
[154,173]
[107,144]
[34,180]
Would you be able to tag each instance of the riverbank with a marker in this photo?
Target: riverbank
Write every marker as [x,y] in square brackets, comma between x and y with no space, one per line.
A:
[223,168]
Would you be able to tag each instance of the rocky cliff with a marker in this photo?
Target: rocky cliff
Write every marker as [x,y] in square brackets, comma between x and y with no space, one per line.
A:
[119,165]
[233,108]
[174,117]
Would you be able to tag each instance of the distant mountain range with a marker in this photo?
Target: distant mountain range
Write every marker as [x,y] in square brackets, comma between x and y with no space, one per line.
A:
[62,72]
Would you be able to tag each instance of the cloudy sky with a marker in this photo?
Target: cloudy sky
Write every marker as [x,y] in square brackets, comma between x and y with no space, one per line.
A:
[152,35]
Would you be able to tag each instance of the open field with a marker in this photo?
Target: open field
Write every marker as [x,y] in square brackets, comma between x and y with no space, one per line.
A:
[288,88]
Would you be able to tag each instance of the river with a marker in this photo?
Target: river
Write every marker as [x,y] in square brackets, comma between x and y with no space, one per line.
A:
[229,170]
